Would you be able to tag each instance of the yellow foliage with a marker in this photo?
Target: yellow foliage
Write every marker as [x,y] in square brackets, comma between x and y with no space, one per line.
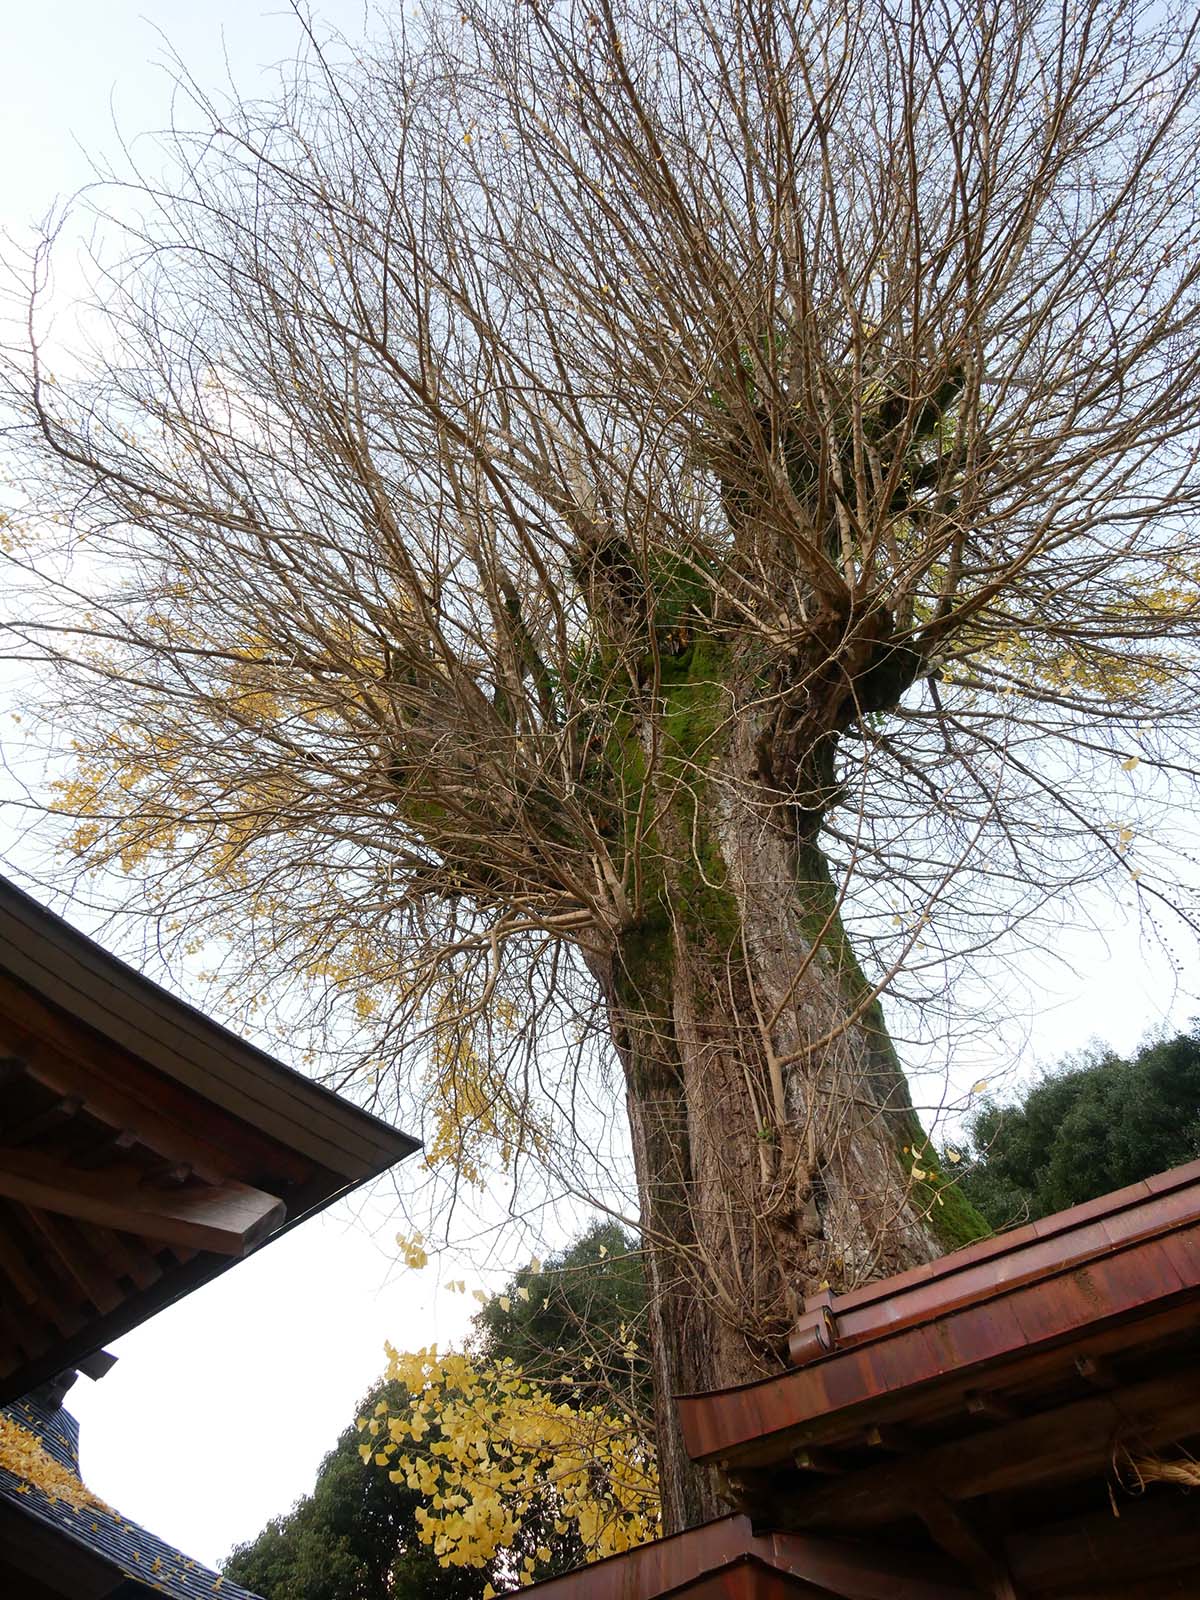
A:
[23,1454]
[476,1115]
[416,1256]
[484,1446]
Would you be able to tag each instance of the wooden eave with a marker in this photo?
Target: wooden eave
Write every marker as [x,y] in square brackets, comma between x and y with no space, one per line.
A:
[71,972]
[975,1424]
[142,1148]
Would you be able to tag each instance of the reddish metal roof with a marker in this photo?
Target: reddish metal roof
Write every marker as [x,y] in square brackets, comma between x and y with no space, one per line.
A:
[1118,1257]
[740,1563]
[952,1431]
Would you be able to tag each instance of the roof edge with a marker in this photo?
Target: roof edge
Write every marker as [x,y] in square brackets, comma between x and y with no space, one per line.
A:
[71,971]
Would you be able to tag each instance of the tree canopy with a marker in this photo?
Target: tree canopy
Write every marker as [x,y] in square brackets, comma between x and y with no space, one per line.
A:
[574,1325]
[1097,1122]
[587,544]
[353,1538]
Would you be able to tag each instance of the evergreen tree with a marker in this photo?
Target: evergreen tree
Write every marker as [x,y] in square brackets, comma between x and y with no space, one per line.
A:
[355,1536]
[1097,1122]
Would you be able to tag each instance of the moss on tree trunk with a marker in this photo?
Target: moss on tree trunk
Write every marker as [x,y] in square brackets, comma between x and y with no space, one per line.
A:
[774,1136]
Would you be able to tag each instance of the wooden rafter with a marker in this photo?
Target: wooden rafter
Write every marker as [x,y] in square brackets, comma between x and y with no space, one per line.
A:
[1067,1442]
[119,1090]
[228,1218]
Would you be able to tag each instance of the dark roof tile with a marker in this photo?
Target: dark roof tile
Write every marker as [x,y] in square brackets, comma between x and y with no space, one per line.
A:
[152,1563]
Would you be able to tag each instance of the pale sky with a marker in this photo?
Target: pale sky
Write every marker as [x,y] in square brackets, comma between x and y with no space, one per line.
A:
[220,1408]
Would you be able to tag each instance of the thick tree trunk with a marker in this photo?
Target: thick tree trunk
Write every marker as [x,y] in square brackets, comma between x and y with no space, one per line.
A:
[773,1133]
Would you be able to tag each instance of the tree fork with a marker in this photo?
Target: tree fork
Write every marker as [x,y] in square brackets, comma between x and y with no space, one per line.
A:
[775,1142]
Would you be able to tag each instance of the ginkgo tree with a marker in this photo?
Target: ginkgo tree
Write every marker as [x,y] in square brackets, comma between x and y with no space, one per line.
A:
[609,538]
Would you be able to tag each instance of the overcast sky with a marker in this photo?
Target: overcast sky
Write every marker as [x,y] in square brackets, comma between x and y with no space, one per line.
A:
[219,1409]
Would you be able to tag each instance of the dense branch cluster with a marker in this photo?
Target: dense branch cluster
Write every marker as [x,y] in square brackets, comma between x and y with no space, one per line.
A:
[525,447]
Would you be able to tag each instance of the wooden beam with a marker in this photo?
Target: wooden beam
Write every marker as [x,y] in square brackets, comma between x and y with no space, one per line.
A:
[1098,1373]
[123,1091]
[1069,1442]
[41,1284]
[24,1130]
[90,1275]
[898,1441]
[125,1256]
[95,1144]
[966,1543]
[229,1218]
[1152,1538]
[813,1459]
[980,1403]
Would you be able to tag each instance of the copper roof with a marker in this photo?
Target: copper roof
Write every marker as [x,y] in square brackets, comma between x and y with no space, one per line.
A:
[730,1550]
[988,1424]
[1009,1297]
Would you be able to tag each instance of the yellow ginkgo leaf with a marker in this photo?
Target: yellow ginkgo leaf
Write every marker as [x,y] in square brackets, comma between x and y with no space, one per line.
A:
[1128,766]
[954,1157]
[979,1086]
[412,1249]
[522,1291]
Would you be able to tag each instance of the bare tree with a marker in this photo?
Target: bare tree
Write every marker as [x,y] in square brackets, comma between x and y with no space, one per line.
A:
[687,503]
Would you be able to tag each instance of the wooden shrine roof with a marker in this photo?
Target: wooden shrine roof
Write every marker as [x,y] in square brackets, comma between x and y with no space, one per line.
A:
[142,1146]
[996,1314]
[995,1417]
[58,1548]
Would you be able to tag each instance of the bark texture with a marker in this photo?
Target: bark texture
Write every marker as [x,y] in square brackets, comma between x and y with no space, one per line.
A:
[772,1126]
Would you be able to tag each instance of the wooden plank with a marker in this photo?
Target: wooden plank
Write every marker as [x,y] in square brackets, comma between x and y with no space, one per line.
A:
[1070,1442]
[229,1218]
[81,1264]
[124,1092]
